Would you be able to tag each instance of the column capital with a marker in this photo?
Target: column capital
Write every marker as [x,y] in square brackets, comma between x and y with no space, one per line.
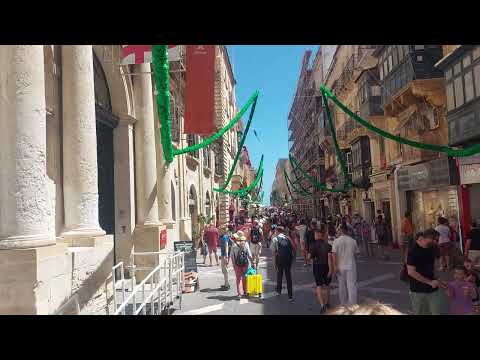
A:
[126,120]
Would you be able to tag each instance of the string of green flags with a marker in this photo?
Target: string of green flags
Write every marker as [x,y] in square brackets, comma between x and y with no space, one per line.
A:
[469,151]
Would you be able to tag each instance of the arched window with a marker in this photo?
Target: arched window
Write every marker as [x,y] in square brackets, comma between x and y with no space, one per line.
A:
[102,93]
[208,206]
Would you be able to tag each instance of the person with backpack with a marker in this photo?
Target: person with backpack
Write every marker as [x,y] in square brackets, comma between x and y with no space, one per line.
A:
[256,235]
[241,258]
[283,255]
[321,254]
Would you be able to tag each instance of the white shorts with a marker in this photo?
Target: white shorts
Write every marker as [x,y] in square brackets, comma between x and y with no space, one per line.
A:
[255,249]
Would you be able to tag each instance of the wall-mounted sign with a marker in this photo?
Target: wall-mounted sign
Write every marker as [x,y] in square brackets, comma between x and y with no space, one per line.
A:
[435,173]
[470,174]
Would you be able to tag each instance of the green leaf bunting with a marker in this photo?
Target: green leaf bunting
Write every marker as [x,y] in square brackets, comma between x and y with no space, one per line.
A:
[472,150]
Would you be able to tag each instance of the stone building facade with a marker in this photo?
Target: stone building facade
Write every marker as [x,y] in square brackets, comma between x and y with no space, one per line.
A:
[83,177]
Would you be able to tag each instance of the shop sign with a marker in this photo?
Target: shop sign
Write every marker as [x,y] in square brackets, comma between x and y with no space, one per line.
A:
[470,174]
[436,173]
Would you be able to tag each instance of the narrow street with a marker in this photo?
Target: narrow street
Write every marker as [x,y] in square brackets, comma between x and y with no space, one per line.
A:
[377,280]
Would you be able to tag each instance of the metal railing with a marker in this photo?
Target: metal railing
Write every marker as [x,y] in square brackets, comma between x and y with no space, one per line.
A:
[161,287]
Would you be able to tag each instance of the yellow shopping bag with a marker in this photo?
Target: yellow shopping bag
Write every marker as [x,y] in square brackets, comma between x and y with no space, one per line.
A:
[254,285]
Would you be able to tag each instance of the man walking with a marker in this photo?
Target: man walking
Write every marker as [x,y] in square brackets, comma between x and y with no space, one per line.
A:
[283,255]
[224,257]
[424,294]
[212,235]
[344,265]
[256,235]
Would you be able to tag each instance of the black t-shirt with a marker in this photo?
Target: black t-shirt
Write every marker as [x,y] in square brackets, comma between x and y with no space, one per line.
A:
[309,237]
[474,234]
[424,261]
[319,251]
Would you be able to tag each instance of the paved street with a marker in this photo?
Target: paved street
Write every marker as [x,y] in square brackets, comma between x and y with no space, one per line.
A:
[376,280]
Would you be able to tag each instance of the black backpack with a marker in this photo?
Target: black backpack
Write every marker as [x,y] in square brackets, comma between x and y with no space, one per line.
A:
[285,250]
[242,257]
[255,234]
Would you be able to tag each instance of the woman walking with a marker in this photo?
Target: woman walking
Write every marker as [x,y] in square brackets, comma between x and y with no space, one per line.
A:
[241,257]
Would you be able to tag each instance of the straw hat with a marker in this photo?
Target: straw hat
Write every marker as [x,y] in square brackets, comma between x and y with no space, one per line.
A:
[239,236]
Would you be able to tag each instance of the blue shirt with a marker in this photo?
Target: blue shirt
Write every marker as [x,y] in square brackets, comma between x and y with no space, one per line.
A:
[224,239]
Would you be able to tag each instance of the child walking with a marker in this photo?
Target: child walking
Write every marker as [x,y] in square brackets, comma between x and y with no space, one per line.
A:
[461,293]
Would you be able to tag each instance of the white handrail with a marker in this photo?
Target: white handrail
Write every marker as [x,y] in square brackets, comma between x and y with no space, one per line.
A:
[173,267]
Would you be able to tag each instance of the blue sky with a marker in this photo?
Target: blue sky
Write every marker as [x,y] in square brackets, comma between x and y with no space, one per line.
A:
[274,71]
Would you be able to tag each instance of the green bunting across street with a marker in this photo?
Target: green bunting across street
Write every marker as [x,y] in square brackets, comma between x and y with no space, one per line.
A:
[469,151]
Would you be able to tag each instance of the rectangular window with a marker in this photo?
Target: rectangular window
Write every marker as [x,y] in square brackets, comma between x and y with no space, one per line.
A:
[467,61]
[459,99]
[448,74]
[376,90]
[390,63]
[469,93]
[476,74]
[419,47]
[381,72]
[450,99]
[395,56]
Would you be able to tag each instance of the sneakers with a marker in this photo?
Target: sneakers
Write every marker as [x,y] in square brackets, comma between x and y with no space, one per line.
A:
[290,300]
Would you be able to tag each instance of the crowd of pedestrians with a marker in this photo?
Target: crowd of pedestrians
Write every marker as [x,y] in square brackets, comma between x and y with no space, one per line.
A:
[330,246]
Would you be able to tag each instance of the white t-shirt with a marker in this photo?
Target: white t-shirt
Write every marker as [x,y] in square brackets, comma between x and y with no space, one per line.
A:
[345,249]
[302,229]
[444,231]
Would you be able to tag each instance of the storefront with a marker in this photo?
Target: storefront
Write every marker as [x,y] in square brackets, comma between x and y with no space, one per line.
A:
[431,191]
[469,169]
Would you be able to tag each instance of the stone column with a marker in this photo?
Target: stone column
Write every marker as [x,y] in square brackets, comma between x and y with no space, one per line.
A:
[80,173]
[145,152]
[25,211]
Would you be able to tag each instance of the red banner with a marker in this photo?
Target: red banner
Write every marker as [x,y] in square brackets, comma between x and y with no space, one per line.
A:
[200,90]
[163,239]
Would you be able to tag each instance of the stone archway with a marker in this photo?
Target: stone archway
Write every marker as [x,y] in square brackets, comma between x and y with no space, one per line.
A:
[106,122]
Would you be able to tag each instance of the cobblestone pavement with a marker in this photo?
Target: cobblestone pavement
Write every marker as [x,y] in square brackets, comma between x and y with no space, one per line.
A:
[377,280]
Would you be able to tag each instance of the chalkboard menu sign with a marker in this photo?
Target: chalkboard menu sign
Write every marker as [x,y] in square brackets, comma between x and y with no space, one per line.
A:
[190,254]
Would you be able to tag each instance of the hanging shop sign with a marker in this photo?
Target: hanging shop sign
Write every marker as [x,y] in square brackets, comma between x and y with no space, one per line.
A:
[141,54]
[435,173]
[469,168]
[200,90]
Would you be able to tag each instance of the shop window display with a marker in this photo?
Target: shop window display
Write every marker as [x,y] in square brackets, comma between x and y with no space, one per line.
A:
[428,205]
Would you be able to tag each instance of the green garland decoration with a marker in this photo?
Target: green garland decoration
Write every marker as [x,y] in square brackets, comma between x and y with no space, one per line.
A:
[296,191]
[162,78]
[290,192]
[348,180]
[240,146]
[472,150]
[314,181]
[245,190]
[222,131]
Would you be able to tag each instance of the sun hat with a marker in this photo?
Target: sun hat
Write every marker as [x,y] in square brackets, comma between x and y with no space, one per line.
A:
[240,236]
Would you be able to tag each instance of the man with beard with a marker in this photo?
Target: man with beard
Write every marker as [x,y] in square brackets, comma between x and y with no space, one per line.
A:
[424,287]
